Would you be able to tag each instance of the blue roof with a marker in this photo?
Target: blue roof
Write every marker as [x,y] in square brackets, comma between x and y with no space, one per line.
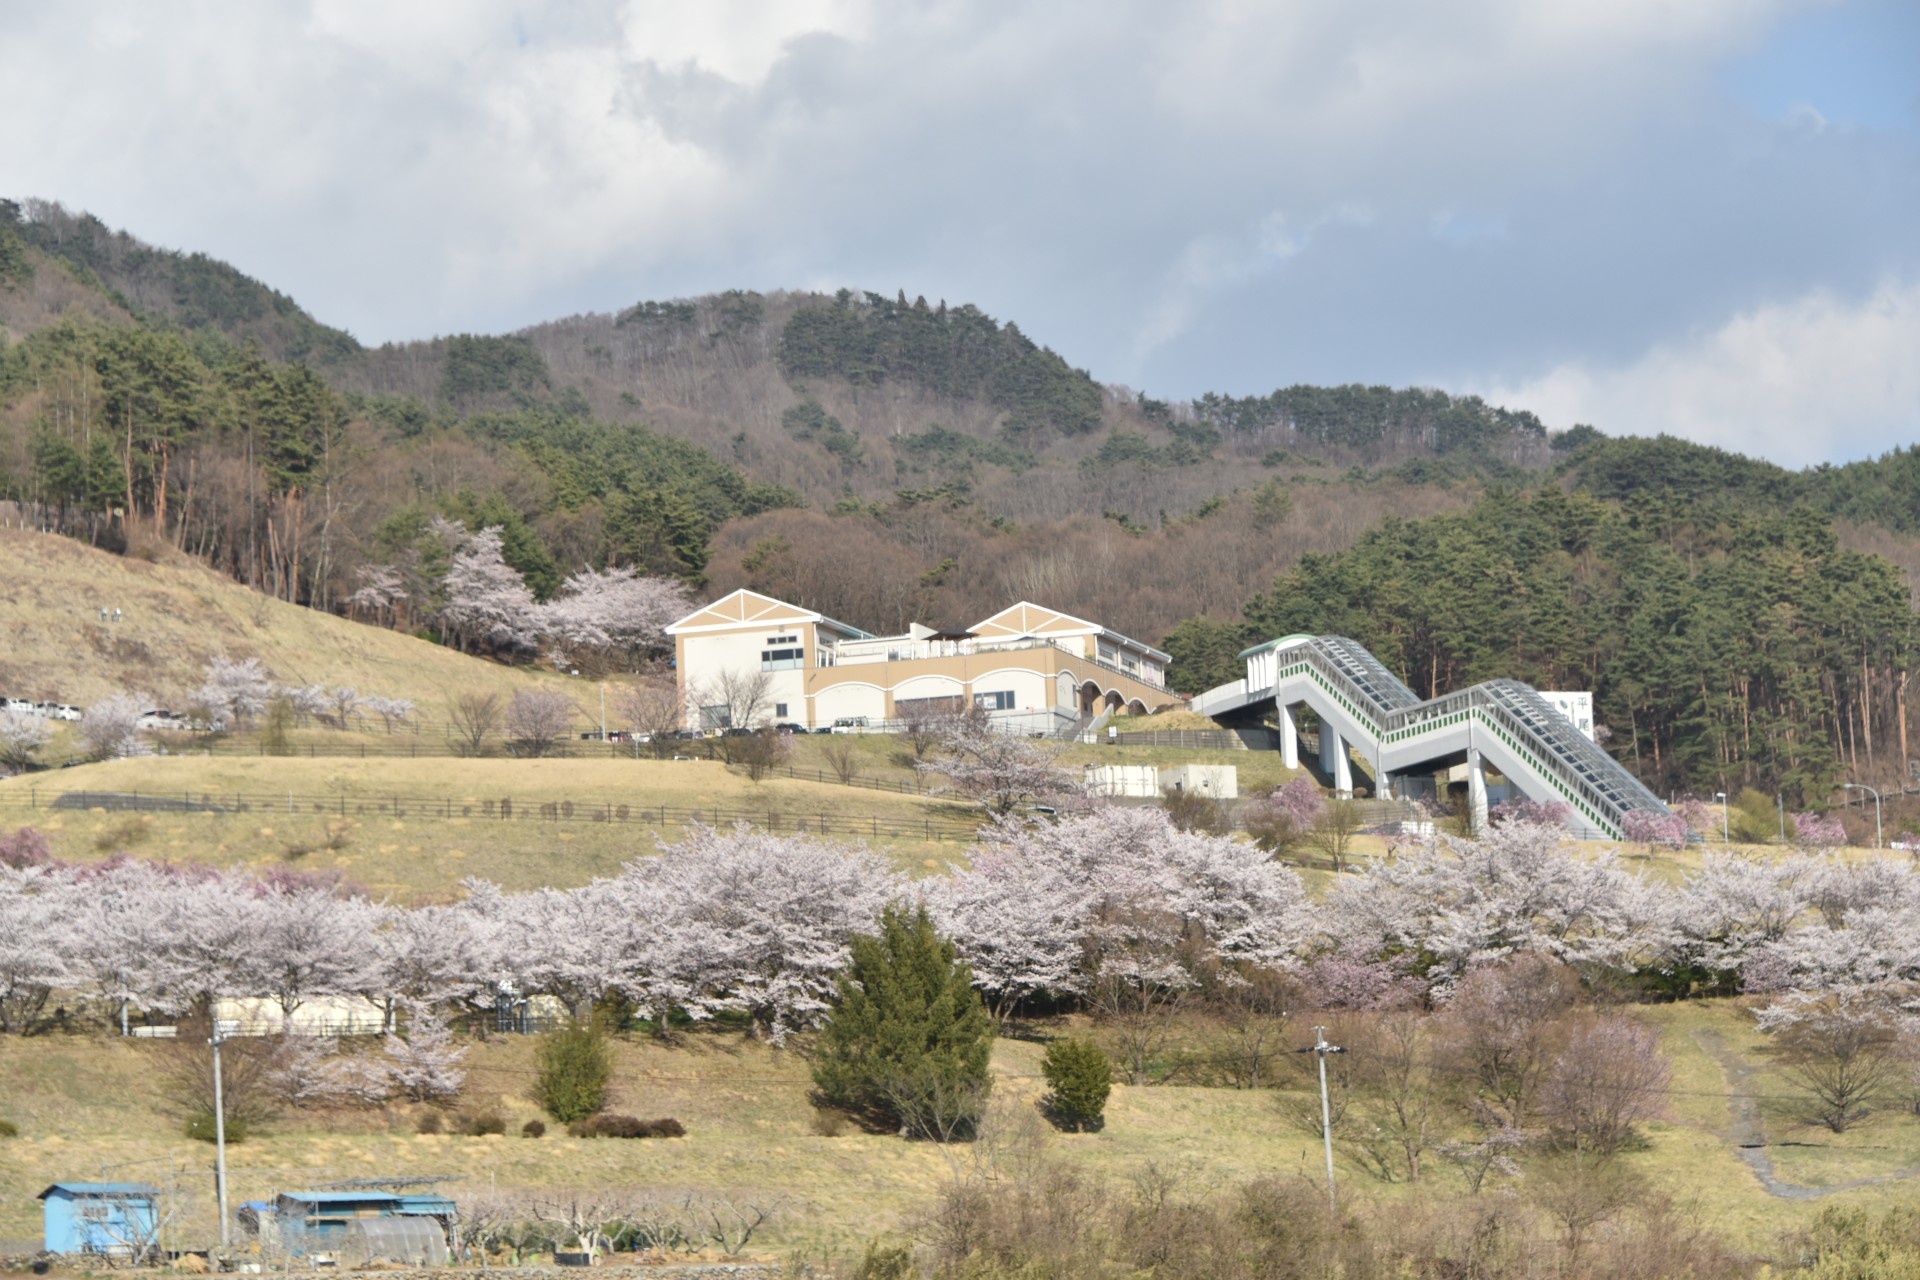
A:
[100,1189]
[336,1197]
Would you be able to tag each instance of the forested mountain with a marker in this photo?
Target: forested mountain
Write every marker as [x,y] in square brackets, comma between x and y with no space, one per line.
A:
[885,460]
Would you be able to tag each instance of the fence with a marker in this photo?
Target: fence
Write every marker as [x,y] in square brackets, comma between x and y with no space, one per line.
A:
[499,809]
[1201,739]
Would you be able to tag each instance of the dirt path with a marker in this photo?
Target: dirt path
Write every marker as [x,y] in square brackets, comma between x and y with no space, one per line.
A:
[1748,1130]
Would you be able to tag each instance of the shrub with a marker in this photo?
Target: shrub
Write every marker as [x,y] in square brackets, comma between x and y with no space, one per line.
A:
[200,1128]
[481,1125]
[617,1126]
[574,1068]
[429,1122]
[8,1129]
[829,1123]
[1079,1078]
[533,1129]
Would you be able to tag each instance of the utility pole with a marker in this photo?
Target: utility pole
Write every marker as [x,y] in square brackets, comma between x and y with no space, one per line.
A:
[1726,835]
[1320,1049]
[220,1031]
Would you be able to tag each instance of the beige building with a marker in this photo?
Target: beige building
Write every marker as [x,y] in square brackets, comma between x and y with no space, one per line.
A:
[748,660]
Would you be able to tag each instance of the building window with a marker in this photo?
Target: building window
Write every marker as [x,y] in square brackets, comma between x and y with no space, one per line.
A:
[782,659]
[1000,701]
[907,708]
[780,710]
[717,717]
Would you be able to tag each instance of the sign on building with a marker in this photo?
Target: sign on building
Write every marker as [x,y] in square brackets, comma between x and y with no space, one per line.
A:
[1576,706]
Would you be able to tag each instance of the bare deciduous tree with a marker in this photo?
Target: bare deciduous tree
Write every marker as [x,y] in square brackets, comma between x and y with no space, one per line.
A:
[474,717]
[1844,1057]
[537,719]
[652,709]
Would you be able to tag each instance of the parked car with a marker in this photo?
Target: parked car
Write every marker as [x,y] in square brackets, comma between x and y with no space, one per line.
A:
[850,724]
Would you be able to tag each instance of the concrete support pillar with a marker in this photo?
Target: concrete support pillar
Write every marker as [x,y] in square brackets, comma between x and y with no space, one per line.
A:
[1335,761]
[1477,791]
[1289,739]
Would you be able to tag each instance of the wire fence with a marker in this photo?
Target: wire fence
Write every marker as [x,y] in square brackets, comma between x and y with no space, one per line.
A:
[439,749]
[783,820]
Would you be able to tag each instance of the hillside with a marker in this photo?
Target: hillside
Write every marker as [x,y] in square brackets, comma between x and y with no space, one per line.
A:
[177,614]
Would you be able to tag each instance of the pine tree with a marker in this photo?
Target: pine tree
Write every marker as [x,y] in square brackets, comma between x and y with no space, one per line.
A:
[907,1042]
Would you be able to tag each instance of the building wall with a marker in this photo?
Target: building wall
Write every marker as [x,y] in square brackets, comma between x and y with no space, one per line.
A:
[704,659]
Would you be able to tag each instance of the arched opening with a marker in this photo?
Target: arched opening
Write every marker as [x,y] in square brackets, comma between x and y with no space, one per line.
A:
[1114,701]
[1089,698]
[1136,708]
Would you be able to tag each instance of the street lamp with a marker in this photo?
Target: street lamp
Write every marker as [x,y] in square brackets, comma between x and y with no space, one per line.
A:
[1725,836]
[1320,1049]
[1861,786]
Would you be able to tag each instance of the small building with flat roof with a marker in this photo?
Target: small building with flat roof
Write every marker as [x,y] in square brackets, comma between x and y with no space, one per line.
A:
[116,1219]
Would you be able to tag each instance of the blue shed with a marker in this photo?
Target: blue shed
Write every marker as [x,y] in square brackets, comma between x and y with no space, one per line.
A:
[116,1218]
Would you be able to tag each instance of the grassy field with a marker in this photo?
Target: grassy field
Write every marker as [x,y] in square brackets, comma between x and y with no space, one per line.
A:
[88,1106]
[177,615]
[343,814]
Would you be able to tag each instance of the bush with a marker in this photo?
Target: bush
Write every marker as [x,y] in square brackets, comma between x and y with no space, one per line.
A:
[8,1129]
[829,1123]
[907,1041]
[616,1126]
[533,1129]
[1079,1078]
[481,1125]
[429,1122]
[200,1128]
[574,1069]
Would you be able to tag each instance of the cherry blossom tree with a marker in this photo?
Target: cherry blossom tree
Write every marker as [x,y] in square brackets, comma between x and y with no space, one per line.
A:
[111,729]
[1818,831]
[1000,770]
[1520,888]
[36,945]
[745,922]
[391,711]
[23,736]
[423,1064]
[488,604]
[381,595]
[615,612]
[310,943]
[1654,829]
[1118,893]
[1282,819]
[234,691]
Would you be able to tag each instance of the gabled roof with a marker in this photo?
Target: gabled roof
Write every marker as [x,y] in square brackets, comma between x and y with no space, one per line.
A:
[99,1189]
[744,608]
[1029,619]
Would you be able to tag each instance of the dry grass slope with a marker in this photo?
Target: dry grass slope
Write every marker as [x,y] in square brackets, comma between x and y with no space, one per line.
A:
[177,615]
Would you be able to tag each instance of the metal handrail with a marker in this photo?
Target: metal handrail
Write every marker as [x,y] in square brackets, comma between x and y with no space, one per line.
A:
[1592,780]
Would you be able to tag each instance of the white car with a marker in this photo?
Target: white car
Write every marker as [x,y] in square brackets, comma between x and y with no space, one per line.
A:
[850,724]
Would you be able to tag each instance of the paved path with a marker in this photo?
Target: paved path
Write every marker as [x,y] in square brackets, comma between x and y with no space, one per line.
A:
[1748,1130]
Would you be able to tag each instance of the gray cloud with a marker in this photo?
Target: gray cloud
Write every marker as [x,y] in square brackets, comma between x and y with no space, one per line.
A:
[1498,193]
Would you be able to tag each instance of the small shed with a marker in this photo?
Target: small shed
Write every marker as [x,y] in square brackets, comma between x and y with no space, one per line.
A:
[118,1219]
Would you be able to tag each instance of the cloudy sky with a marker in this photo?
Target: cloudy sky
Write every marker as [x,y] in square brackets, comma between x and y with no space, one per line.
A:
[1697,216]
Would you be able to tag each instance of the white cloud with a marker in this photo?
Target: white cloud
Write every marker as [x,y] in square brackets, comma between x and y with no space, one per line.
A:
[1819,378]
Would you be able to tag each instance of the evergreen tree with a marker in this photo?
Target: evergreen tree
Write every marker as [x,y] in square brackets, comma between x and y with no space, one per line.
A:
[574,1069]
[1079,1078]
[906,1045]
